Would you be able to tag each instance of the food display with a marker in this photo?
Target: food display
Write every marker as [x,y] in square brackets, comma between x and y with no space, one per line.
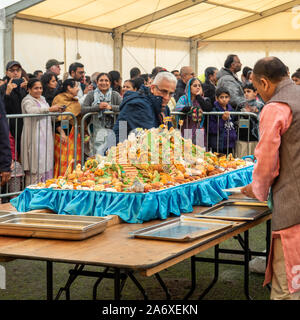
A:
[148,160]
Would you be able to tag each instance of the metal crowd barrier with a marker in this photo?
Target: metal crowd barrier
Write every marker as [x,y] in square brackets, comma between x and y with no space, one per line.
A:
[241,120]
[21,178]
[88,148]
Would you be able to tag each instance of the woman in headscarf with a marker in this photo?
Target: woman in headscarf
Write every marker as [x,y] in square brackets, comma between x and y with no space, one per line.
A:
[65,133]
[192,103]
[101,100]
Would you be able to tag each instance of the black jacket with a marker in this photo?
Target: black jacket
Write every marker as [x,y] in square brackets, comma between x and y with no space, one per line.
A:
[209,91]
[12,104]
[140,110]
[180,89]
[5,151]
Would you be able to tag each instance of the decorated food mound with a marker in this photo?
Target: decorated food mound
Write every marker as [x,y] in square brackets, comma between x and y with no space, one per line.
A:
[148,160]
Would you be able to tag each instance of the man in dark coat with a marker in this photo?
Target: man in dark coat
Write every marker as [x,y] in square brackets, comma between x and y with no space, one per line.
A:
[227,78]
[5,152]
[13,92]
[186,73]
[146,108]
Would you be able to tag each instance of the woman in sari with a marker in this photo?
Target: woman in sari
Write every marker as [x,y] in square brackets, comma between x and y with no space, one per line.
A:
[37,138]
[65,133]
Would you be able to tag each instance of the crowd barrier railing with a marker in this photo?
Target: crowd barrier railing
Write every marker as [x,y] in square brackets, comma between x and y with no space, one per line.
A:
[36,147]
[242,122]
[64,150]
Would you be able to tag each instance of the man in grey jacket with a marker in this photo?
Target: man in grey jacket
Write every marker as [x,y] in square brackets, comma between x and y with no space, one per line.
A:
[227,78]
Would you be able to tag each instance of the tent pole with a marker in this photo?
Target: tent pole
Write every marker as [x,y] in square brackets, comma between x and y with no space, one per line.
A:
[9,39]
[118,46]
[194,55]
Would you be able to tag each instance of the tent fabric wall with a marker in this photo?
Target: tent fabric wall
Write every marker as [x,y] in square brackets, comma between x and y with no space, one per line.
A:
[36,42]
[215,53]
[146,53]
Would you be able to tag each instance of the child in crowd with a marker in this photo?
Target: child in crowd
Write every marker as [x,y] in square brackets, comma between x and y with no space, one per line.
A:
[296,77]
[254,105]
[221,131]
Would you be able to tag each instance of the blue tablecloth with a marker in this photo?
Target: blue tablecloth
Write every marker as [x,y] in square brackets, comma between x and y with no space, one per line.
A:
[135,207]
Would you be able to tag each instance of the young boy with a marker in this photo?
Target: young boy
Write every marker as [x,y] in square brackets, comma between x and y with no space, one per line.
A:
[221,131]
[296,77]
[253,103]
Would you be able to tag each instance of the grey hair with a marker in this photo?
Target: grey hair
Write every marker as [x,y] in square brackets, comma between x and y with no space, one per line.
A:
[165,75]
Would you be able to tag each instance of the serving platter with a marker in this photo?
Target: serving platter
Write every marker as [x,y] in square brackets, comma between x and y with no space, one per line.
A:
[53,226]
[182,229]
[236,210]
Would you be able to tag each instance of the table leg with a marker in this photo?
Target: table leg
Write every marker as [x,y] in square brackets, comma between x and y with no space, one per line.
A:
[117,288]
[216,274]
[193,276]
[49,272]
[246,266]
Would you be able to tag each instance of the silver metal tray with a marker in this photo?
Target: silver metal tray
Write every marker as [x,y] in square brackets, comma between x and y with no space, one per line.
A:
[182,229]
[236,210]
[53,226]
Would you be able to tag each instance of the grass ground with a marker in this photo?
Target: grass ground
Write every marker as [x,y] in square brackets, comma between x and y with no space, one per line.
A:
[26,280]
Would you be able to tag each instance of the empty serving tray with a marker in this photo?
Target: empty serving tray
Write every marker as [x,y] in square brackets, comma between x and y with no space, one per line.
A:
[182,229]
[54,226]
[236,210]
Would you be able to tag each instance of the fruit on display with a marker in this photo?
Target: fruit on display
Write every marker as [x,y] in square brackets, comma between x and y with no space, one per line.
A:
[149,160]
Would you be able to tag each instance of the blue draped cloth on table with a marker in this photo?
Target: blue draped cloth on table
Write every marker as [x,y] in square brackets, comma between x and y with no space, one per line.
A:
[135,207]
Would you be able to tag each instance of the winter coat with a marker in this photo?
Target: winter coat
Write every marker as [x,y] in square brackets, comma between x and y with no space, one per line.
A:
[225,129]
[5,151]
[140,109]
[12,104]
[209,91]
[180,89]
[228,80]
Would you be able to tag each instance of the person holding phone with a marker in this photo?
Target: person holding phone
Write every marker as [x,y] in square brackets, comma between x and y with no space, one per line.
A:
[13,92]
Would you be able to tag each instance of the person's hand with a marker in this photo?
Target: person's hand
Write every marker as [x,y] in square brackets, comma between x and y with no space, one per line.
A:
[56,108]
[5,177]
[226,115]
[63,137]
[12,166]
[104,106]
[10,87]
[248,192]
[88,88]
[24,83]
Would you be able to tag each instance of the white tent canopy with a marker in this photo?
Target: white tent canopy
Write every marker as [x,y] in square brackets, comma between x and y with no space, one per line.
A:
[126,33]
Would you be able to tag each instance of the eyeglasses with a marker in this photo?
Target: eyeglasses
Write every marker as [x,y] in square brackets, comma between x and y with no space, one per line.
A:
[14,70]
[165,92]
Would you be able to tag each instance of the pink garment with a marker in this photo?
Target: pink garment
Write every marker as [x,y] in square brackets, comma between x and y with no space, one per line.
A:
[275,119]
[290,239]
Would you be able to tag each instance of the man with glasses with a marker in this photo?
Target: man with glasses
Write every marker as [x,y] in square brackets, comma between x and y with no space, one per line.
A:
[13,92]
[186,73]
[76,71]
[146,108]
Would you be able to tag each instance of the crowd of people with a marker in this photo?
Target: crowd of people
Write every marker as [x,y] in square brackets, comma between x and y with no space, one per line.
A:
[149,100]
[177,98]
